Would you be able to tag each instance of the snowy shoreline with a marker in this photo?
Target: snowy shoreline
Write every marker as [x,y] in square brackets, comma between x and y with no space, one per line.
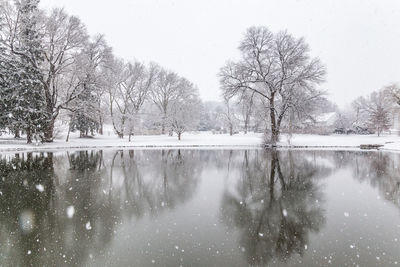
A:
[206,140]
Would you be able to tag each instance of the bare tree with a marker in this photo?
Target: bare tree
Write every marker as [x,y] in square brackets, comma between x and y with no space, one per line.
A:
[129,88]
[377,108]
[393,90]
[276,67]
[360,115]
[99,54]
[165,91]
[227,116]
[185,109]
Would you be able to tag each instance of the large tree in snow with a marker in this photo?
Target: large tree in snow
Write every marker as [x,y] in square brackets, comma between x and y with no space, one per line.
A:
[278,69]
[62,37]
[21,91]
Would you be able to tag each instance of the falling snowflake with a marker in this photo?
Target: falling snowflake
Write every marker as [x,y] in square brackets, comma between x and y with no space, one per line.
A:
[284,212]
[40,187]
[71,212]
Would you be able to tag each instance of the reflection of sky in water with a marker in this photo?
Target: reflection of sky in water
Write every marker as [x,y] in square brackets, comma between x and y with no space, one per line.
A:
[200,208]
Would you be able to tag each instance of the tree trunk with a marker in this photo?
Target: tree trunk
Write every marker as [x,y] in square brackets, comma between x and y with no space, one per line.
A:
[48,132]
[163,122]
[119,133]
[246,123]
[16,133]
[230,130]
[101,125]
[272,175]
[274,127]
[179,136]
[101,129]
[69,130]
[28,135]
[163,127]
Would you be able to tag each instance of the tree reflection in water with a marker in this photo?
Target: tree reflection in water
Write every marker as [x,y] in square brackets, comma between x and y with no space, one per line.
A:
[380,169]
[63,209]
[275,205]
[37,190]
[26,213]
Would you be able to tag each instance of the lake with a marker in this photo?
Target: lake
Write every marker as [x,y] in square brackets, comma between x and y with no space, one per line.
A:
[200,208]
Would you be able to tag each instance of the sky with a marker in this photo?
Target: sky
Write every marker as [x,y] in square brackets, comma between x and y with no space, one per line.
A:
[357,40]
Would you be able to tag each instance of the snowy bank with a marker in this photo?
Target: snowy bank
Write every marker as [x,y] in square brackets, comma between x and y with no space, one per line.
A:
[189,140]
[205,140]
[340,141]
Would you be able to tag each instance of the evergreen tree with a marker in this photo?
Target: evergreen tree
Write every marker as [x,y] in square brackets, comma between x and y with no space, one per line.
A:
[23,102]
[7,86]
[84,116]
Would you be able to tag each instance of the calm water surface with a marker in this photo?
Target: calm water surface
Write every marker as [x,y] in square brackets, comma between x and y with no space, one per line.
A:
[200,208]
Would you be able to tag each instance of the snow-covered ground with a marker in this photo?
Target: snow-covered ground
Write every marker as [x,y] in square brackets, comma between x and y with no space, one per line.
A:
[304,140]
[203,140]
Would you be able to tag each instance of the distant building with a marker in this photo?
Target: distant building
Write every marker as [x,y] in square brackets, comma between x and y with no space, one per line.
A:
[321,124]
[326,120]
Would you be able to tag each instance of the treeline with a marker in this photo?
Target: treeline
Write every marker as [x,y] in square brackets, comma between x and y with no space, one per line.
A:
[374,113]
[51,69]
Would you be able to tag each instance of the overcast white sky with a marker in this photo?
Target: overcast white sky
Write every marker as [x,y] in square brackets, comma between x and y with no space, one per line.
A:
[358,40]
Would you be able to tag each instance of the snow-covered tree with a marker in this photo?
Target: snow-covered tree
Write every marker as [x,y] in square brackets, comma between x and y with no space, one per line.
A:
[226,114]
[165,91]
[393,91]
[277,68]
[185,109]
[343,120]
[85,110]
[21,91]
[62,37]
[360,114]
[377,107]
[130,84]
[209,117]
